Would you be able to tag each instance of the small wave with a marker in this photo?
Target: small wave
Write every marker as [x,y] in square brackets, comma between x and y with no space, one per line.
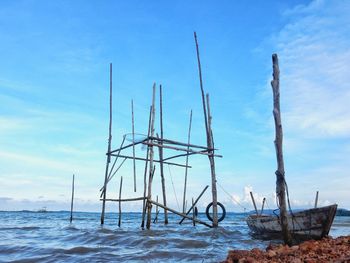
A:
[79,250]
[27,228]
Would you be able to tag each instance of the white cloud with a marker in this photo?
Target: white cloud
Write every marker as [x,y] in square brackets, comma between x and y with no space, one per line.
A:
[315,66]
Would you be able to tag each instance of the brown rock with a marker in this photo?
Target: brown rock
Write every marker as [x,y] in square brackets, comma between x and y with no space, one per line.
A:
[271,253]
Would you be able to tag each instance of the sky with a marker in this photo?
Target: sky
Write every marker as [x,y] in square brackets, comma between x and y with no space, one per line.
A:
[54,91]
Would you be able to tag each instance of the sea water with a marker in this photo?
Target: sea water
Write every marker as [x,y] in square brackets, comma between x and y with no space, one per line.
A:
[50,237]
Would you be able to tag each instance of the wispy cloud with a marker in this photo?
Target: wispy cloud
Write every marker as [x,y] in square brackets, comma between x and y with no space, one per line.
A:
[315,66]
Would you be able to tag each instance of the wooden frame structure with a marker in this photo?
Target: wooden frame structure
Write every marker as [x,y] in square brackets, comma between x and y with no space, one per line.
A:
[152,141]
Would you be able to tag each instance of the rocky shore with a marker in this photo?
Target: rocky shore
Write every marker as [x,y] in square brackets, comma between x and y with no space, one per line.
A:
[325,250]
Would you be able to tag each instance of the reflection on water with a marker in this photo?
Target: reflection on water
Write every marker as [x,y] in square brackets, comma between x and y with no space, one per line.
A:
[49,237]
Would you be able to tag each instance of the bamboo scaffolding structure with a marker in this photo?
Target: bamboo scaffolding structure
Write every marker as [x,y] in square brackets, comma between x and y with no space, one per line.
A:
[109,145]
[195,202]
[151,141]
[151,153]
[145,173]
[71,204]
[120,203]
[179,213]
[280,173]
[161,154]
[133,143]
[253,200]
[186,170]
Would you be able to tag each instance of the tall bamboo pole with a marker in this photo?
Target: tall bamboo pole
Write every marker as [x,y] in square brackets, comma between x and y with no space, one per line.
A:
[209,139]
[109,147]
[120,203]
[133,143]
[71,204]
[186,170]
[145,172]
[212,167]
[151,155]
[280,173]
[161,153]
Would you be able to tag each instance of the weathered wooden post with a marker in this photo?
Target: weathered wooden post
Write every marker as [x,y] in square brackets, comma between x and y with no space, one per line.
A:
[316,199]
[71,204]
[161,153]
[262,206]
[280,173]
[253,200]
[209,140]
[109,147]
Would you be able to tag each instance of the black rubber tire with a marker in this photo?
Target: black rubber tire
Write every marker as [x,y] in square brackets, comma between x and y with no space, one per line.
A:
[223,212]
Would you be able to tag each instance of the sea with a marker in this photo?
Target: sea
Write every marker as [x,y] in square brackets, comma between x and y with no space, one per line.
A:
[49,237]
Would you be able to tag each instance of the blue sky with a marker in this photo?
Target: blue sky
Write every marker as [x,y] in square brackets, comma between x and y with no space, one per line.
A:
[54,72]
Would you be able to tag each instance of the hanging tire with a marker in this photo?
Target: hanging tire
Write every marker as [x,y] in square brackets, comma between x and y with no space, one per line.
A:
[223,212]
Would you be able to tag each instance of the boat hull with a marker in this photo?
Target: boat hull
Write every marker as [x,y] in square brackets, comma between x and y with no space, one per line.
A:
[307,224]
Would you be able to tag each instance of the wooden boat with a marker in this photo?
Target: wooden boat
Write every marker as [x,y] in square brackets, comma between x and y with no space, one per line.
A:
[313,223]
